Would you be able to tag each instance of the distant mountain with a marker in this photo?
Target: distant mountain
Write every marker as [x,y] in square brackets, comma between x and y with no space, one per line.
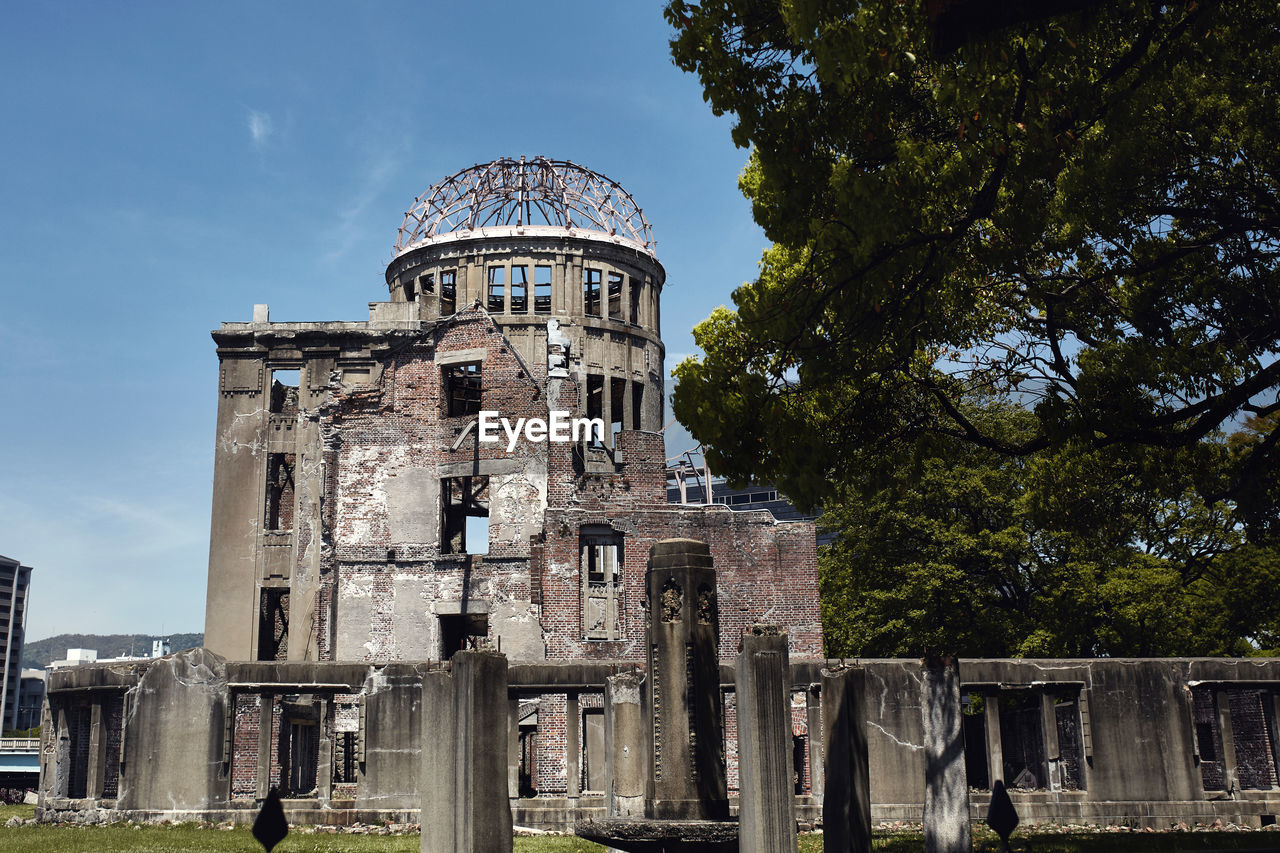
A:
[37,654]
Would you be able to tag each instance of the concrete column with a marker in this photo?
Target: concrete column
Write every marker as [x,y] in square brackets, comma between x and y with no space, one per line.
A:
[96,777]
[1052,753]
[624,762]
[266,702]
[846,796]
[684,710]
[324,760]
[946,791]
[62,774]
[995,750]
[817,750]
[513,750]
[766,799]
[572,749]
[465,807]
[1230,770]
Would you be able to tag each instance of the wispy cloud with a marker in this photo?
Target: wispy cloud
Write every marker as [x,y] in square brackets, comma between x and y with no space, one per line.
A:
[260,126]
[352,219]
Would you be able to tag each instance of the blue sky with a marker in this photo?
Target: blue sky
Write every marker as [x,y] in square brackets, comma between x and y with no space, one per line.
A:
[167,165]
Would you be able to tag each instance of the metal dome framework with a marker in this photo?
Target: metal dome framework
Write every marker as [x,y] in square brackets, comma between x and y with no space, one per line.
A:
[517,193]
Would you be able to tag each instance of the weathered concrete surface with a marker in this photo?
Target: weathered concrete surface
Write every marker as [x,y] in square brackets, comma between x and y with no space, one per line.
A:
[682,689]
[173,735]
[766,798]
[393,738]
[464,757]
[846,795]
[625,765]
[946,792]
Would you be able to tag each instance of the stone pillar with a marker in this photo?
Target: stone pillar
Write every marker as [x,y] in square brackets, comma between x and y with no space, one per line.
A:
[817,744]
[572,750]
[96,774]
[624,767]
[324,760]
[766,798]
[1230,768]
[946,786]
[995,747]
[683,706]
[846,793]
[265,707]
[463,784]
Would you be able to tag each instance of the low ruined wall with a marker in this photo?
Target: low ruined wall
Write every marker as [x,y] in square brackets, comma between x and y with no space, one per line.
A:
[1142,742]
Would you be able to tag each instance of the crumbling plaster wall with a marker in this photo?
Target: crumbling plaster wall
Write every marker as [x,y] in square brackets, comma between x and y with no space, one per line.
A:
[393,443]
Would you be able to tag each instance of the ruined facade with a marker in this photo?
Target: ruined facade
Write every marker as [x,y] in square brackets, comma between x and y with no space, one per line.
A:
[362,533]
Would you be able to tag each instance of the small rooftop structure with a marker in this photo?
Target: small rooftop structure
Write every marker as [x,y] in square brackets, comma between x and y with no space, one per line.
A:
[525,196]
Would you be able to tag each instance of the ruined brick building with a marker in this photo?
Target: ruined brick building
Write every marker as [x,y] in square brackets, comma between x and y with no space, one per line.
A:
[358,517]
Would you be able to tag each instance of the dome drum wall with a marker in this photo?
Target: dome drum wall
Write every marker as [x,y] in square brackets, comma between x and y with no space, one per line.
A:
[605,295]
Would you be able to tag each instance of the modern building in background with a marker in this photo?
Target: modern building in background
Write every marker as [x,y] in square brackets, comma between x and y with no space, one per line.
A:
[15,582]
[753,496]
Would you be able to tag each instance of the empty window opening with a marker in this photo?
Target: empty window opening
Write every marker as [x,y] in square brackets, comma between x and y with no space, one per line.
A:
[477,534]
[617,405]
[1066,713]
[637,288]
[1255,760]
[593,750]
[601,568]
[304,750]
[542,290]
[498,289]
[462,631]
[448,292]
[79,730]
[344,758]
[527,773]
[519,289]
[591,292]
[1022,740]
[637,405]
[462,389]
[410,290]
[464,498]
[273,624]
[1204,712]
[427,283]
[799,761]
[595,403]
[279,511]
[284,391]
[974,722]
[615,296]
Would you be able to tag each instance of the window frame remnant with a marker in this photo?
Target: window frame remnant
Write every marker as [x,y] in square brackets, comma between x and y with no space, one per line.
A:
[463,388]
[602,555]
[519,298]
[273,623]
[448,292]
[283,398]
[541,289]
[280,492]
[460,498]
[637,289]
[496,296]
[591,284]
[615,280]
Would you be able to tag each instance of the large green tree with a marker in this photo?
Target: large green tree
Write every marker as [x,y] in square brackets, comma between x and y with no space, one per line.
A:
[1079,551]
[1080,212]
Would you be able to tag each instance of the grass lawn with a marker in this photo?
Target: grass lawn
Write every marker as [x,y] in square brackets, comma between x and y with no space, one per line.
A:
[191,837]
